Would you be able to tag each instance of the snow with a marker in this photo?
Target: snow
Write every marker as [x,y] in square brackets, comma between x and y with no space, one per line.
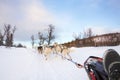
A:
[27,64]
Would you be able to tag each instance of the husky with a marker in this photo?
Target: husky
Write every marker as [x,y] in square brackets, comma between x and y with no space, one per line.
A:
[66,52]
[40,49]
[47,50]
[62,50]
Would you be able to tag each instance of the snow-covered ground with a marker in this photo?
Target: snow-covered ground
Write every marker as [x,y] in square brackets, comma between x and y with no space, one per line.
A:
[27,64]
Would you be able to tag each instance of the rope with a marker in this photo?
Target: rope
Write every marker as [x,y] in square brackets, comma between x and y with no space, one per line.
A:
[77,64]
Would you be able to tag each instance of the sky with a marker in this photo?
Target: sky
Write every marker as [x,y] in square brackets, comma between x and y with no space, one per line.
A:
[68,16]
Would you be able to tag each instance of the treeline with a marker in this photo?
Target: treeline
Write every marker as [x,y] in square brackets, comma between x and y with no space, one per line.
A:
[84,39]
[7,35]
[111,39]
[45,37]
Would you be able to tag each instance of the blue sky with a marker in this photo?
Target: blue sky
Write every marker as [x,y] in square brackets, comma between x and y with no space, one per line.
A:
[68,17]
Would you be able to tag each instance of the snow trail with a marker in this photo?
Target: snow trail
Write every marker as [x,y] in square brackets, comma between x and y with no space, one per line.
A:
[27,64]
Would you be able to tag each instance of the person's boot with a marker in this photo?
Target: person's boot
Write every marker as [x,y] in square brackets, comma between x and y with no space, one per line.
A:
[114,71]
[111,63]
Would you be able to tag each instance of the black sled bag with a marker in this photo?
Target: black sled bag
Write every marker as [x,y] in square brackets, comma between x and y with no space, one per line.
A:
[94,68]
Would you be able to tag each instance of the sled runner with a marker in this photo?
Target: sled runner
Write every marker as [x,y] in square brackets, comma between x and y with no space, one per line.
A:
[94,68]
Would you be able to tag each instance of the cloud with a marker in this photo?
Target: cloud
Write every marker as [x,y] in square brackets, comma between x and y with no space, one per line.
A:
[37,13]
[29,16]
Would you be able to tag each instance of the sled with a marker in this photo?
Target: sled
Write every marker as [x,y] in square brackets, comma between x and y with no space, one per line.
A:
[94,68]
